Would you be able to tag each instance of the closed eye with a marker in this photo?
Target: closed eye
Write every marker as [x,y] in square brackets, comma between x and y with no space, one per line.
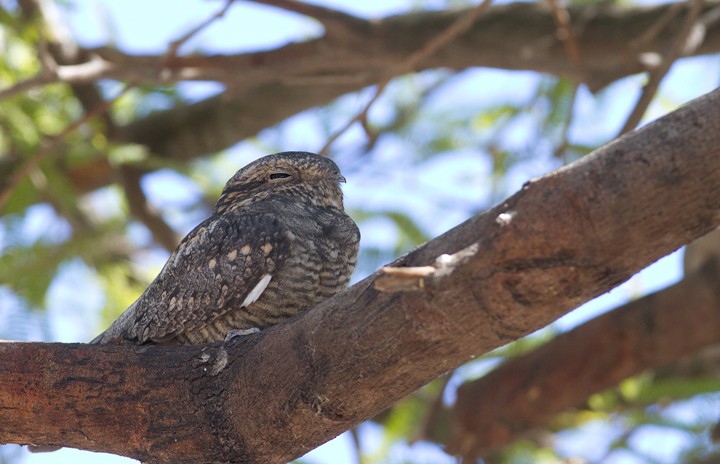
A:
[278,175]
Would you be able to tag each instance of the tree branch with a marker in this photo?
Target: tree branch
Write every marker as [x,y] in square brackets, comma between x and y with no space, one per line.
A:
[562,240]
[647,333]
[437,43]
[370,47]
[130,177]
[179,42]
[268,87]
[564,30]
[32,163]
[663,67]
[336,23]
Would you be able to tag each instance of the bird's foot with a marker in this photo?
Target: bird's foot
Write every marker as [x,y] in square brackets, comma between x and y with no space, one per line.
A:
[240,333]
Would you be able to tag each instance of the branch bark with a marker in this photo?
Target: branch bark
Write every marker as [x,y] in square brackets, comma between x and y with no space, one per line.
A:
[562,240]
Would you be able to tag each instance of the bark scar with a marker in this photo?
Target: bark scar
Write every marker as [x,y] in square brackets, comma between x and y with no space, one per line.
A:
[417,278]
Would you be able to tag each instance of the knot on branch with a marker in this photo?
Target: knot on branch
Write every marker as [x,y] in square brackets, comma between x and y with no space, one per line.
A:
[416,278]
[216,361]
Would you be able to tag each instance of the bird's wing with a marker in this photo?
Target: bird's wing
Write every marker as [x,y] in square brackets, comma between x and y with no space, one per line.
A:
[223,264]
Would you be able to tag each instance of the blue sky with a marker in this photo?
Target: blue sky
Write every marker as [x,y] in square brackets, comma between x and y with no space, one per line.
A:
[445,189]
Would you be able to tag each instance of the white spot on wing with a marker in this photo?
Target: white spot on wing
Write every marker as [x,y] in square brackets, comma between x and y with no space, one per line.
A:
[257,291]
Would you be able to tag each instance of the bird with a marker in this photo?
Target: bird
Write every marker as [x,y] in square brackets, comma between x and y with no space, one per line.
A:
[277,243]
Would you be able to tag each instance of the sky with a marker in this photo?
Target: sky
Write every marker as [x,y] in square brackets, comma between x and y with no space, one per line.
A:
[133,25]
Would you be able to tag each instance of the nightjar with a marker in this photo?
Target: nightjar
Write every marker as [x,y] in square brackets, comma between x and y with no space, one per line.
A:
[277,243]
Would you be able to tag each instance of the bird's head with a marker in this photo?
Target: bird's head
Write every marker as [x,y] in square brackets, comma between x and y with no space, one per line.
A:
[296,176]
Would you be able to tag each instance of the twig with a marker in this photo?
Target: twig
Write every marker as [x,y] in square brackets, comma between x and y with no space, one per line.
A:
[328,17]
[652,32]
[97,67]
[457,28]
[711,17]
[436,408]
[402,279]
[415,278]
[358,117]
[663,67]
[44,151]
[561,150]
[162,233]
[81,73]
[66,51]
[27,84]
[565,32]
[356,444]
[403,114]
[715,433]
[48,64]
[177,43]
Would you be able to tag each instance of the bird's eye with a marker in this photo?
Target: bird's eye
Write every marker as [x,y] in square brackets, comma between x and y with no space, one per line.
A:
[278,175]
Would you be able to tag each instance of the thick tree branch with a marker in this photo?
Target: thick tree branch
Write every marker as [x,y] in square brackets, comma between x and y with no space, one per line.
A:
[528,391]
[563,239]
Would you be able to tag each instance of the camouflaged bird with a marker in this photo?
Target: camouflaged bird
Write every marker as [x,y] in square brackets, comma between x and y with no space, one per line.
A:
[278,242]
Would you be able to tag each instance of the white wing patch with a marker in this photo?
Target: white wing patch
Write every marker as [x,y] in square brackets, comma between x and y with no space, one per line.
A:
[257,291]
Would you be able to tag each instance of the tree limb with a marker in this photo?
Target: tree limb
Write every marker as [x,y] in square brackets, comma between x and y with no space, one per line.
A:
[26,167]
[562,240]
[528,391]
[663,67]
[130,178]
[514,36]
[337,24]
[268,87]
[62,50]
[460,26]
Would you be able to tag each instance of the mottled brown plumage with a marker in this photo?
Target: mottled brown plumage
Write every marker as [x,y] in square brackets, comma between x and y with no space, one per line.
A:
[278,242]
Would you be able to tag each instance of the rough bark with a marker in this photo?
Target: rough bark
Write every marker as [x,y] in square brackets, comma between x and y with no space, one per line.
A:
[268,87]
[528,391]
[562,240]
